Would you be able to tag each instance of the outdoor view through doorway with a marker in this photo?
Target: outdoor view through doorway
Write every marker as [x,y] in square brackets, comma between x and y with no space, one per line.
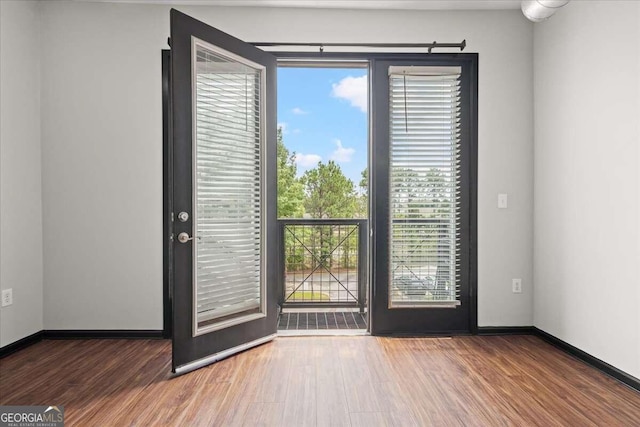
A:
[322,159]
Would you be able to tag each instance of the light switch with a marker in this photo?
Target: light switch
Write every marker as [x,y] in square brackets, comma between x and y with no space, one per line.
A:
[503,201]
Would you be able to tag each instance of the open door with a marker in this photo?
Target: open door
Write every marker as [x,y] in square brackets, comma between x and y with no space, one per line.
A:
[224,194]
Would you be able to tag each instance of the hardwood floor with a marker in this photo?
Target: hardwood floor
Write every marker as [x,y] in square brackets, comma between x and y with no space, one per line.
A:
[322,381]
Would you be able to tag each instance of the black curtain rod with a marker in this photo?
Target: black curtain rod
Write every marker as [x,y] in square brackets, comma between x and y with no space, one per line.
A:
[321,46]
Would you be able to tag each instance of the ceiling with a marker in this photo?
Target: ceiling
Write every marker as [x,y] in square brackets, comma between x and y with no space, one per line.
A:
[344,4]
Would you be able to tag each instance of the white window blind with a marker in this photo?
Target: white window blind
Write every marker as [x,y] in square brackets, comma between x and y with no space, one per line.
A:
[227,187]
[424,107]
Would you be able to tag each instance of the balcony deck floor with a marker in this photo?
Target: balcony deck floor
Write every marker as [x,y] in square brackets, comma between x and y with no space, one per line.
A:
[322,321]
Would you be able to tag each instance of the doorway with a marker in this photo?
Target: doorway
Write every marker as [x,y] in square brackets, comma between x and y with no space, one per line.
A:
[224,235]
[323,204]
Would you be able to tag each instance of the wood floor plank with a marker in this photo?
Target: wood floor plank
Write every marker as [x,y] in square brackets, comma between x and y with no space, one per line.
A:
[120,384]
[393,402]
[331,395]
[322,381]
[272,386]
[71,354]
[300,405]
[368,419]
[205,406]
[358,382]
[39,356]
[598,405]
[244,389]
[264,414]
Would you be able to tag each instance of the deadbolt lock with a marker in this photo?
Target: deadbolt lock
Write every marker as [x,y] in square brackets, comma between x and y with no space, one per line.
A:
[183,217]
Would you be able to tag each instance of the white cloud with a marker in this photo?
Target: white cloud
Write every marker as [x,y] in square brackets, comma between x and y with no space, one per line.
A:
[354,90]
[342,154]
[307,160]
[283,125]
[299,111]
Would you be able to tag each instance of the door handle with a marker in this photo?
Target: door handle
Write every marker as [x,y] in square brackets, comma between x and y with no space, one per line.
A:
[184,237]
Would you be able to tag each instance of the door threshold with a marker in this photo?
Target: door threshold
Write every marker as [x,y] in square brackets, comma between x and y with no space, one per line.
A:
[322,332]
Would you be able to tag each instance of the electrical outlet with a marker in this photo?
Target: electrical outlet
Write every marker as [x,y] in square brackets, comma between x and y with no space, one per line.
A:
[7,297]
[516,286]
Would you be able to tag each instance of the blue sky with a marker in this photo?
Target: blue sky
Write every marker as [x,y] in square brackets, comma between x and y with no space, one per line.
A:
[323,112]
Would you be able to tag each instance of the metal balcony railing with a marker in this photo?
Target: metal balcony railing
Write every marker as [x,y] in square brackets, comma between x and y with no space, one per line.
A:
[323,263]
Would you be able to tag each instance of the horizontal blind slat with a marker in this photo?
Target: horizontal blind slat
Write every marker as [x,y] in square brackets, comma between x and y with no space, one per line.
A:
[424,119]
[228,186]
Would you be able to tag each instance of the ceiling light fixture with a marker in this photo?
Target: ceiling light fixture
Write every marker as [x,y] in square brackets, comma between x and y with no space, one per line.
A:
[539,10]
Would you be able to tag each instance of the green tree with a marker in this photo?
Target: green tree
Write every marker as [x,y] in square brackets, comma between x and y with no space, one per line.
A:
[436,197]
[290,189]
[290,199]
[363,195]
[364,182]
[406,192]
[329,194]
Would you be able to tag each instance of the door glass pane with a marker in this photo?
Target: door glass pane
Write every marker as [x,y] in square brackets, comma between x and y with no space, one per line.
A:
[228,94]
[424,106]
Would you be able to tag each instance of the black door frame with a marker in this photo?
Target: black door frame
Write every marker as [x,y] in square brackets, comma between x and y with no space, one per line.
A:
[167,200]
[374,218]
[425,320]
[378,153]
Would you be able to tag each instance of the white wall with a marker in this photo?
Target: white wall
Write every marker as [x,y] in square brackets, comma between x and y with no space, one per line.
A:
[587,186]
[20,179]
[638,189]
[102,166]
[102,146]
